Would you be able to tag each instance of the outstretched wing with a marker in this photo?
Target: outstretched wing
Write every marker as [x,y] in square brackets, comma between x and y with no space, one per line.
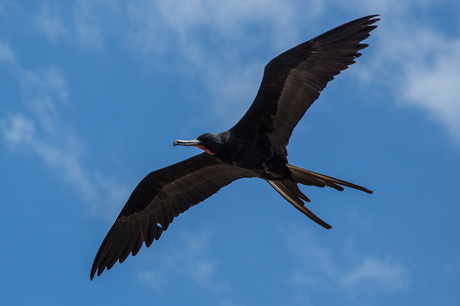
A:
[293,80]
[159,197]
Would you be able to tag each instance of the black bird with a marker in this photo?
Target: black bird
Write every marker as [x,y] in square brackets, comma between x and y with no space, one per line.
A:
[254,147]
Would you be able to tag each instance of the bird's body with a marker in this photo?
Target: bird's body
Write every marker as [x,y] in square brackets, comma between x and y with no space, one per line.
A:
[254,147]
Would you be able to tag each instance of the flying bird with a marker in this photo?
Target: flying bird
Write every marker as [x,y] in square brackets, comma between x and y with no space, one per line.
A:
[254,147]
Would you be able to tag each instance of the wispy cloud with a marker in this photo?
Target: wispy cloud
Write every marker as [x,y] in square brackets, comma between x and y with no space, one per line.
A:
[433,85]
[38,127]
[20,130]
[50,23]
[179,22]
[410,60]
[178,27]
[188,259]
[417,62]
[6,55]
[86,23]
[419,65]
[374,274]
[354,276]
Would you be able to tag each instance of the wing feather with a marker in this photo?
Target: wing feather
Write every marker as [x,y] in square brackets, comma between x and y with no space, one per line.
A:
[293,80]
[157,200]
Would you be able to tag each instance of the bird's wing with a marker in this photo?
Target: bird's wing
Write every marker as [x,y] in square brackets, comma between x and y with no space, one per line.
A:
[159,197]
[293,80]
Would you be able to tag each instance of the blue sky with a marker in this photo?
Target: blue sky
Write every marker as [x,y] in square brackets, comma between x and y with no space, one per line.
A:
[93,93]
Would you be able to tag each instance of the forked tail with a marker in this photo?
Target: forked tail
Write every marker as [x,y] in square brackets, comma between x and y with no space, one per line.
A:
[311,178]
[291,192]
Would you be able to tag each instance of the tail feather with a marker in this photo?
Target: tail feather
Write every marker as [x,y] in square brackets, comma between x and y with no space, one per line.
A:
[289,190]
[308,177]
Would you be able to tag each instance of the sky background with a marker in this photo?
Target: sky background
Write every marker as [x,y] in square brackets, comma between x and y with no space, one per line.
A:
[93,94]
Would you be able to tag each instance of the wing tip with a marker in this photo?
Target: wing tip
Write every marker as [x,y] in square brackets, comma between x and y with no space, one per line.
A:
[93,272]
[371,19]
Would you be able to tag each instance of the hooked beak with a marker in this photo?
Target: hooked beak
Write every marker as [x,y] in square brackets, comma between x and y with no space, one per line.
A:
[194,143]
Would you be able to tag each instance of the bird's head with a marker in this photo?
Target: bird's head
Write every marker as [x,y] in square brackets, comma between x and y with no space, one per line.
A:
[209,142]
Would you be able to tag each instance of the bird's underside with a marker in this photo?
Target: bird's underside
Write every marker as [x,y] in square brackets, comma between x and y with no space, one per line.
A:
[254,147]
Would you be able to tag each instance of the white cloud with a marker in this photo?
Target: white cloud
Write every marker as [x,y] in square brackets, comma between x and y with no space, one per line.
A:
[230,27]
[231,91]
[41,129]
[303,244]
[86,23]
[50,22]
[153,278]
[374,272]
[434,85]
[188,259]
[6,55]
[345,272]
[44,91]
[182,21]
[419,65]
[93,21]
[21,129]
[417,62]
[62,156]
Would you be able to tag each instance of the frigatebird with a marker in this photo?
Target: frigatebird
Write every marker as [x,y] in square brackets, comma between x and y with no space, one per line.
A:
[254,147]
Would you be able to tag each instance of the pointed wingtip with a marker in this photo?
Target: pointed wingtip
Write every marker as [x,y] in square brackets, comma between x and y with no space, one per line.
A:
[93,272]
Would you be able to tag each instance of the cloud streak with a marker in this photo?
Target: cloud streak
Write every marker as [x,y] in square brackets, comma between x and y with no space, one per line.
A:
[433,86]
[417,64]
[6,55]
[40,128]
[50,23]
[379,274]
[356,277]
[176,26]
[188,259]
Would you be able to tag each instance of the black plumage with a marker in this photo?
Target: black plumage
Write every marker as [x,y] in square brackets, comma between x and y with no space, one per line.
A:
[254,147]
